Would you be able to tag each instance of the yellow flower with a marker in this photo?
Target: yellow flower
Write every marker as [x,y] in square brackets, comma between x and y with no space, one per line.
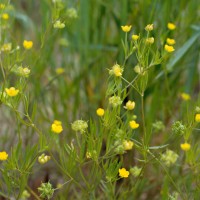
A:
[149,27]
[3,155]
[43,158]
[27,44]
[130,105]
[150,40]
[185,96]
[171,26]
[116,70]
[128,145]
[12,91]
[185,146]
[88,155]
[133,124]
[169,48]
[170,41]
[100,112]
[126,28]
[5,16]
[60,70]
[6,47]
[123,173]
[135,37]
[56,127]
[197,117]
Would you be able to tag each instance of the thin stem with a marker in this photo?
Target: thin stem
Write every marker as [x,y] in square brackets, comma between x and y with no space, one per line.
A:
[167,173]
[33,193]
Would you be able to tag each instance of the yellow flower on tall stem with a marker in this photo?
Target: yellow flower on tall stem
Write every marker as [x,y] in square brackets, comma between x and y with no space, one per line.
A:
[126,28]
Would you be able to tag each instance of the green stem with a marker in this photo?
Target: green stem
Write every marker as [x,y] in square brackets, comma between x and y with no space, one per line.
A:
[167,173]
[144,126]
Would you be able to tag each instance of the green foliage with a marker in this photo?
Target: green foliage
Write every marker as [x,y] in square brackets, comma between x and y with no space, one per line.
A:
[77,58]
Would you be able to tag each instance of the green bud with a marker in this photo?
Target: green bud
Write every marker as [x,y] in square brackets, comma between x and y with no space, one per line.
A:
[178,128]
[79,125]
[46,190]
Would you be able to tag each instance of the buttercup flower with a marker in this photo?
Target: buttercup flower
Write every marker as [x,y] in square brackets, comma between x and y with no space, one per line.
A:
[130,105]
[150,40]
[135,37]
[12,91]
[100,112]
[185,96]
[197,117]
[116,70]
[56,127]
[169,48]
[171,26]
[149,27]
[123,173]
[185,146]
[170,41]
[60,70]
[133,124]
[58,24]
[126,28]
[27,44]
[79,125]
[5,16]
[43,158]
[128,145]
[3,155]
[88,155]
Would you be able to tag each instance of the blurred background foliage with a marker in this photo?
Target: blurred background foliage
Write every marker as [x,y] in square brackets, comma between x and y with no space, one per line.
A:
[89,45]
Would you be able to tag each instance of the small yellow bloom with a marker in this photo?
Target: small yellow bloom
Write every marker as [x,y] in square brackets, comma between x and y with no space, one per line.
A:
[3,155]
[12,91]
[123,173]
[5,16]
[150,40]
[171,26]
[130,105]
[128,145]
[100,112]
[149,27]
[117,70]
[135,37]
[56,127]
[27,44]
[133,124]
[43,159]
[197,117]
[88,155]
[170,41]
[185,146]
[60,70]
[126,28]
[185,96]
[6,47]
[169,48]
